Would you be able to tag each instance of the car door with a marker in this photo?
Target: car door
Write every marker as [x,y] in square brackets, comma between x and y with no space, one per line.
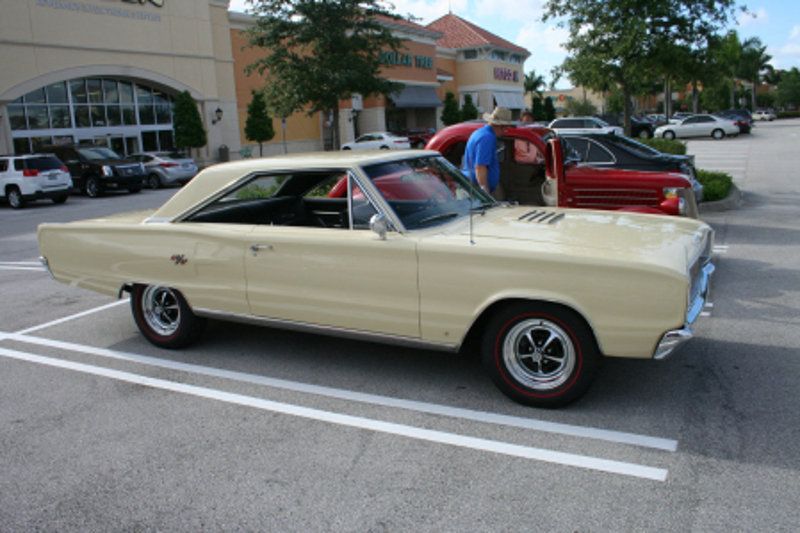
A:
[705,125]
[340,276]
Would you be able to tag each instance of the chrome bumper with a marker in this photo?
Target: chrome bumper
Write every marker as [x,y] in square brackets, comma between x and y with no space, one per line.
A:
[672,339]
[46,265]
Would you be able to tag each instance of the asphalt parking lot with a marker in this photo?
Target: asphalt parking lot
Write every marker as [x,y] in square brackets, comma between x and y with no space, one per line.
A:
[262,429]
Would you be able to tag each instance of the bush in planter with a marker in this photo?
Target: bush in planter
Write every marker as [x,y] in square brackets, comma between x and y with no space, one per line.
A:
[716,185]
[665,145]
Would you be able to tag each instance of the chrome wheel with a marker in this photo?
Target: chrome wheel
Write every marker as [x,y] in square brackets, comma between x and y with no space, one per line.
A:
[539,354]
[92,187]
[15,198]
[161,310]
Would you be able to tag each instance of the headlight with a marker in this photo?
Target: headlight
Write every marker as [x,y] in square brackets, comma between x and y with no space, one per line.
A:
[107,171]
[671,192]
[674,201]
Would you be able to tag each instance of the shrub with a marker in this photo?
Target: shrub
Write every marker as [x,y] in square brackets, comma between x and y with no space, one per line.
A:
[716,185]
[665,145]
[788,114]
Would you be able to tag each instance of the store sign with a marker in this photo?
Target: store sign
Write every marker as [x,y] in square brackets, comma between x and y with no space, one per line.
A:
[157,3]
[406,60]
[506,74]
[113,11]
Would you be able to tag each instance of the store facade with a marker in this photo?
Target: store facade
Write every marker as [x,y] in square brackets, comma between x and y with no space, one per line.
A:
[107,71]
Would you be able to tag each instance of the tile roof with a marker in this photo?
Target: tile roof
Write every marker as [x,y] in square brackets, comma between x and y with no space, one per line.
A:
[401,23]
[459,33]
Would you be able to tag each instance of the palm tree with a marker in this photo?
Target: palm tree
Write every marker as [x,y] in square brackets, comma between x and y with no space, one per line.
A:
[533,84]
[753,61]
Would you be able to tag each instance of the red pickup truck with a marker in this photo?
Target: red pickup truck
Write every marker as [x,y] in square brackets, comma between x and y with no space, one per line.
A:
[534,170]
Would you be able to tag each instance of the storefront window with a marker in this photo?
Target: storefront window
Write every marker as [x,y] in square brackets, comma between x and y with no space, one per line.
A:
[16,115]
[165,140]
[35,97]
[22,146]
[146,115]
[38,142]
[110,92]
[94,90]
[78,90]
[37,117]
[164,114]
[113,115]
[128,115]
[57,93]
[125,93]
[150,141]
[82,116]
[470,54]
[98,116]
[59,116]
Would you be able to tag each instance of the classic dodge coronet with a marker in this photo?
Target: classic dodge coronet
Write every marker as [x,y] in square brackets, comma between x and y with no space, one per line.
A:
[408,252]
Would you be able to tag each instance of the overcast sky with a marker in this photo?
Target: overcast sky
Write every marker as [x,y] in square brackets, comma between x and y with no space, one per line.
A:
[775,22]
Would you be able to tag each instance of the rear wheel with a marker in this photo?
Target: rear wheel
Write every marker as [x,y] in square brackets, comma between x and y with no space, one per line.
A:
[645,134]
[15,199]
[540,354]
[384,147]
[60,199]
[134,190]
[718,134]
[669,135]
[164,317]
[153,181]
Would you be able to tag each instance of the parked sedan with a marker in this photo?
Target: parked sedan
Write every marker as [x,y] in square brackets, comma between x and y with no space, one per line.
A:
[378,141]
[742,119]
[699,126]
[617,151]
[764,114]
[166,169]
[547,292]
[584,125]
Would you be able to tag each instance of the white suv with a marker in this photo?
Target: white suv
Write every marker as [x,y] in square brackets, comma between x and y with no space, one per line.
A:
[583,125]
[33,177]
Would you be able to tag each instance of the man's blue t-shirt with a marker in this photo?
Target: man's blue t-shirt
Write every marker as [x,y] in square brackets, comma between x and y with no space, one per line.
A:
[482,150]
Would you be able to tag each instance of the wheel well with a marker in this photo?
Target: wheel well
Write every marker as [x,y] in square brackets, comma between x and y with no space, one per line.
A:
[472,340]
[11,186]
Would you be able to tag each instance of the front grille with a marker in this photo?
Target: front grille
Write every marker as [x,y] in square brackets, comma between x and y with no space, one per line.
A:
[541,217]
[615,197]
[128,171]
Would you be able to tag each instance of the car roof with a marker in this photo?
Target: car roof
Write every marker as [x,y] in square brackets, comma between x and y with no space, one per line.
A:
[220,176]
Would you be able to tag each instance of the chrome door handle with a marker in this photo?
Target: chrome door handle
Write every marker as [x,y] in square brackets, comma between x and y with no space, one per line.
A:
[255,248]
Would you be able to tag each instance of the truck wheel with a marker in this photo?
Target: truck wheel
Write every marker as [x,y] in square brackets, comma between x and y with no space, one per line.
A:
[164,317]
[669,135]
[718,134]
[60,199]
[540,354]
[92,188]
[15,199]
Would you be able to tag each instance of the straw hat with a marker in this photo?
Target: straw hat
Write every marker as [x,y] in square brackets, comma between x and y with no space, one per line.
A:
[501,116]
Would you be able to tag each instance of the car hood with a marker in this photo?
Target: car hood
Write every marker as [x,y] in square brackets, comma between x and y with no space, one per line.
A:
[586,235]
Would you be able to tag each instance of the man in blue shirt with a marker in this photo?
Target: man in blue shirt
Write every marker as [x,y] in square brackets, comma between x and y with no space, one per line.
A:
[480,156]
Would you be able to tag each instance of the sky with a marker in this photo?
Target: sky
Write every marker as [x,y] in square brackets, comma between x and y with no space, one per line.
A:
[775,22]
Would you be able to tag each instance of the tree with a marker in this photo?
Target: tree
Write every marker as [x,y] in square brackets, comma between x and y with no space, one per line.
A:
[789,88]
[580,107]
[549,109]
[468,110]
[450,113]
[538,110]
[316,54]
[187,124]
[753,61]
[258,126]
[533,85]
[612,42]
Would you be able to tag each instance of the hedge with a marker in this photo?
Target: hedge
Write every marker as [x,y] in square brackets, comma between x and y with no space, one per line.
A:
[788,114]
[716,185]
[665,145]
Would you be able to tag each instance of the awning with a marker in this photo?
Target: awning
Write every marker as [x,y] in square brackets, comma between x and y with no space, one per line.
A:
[416,96]
[509,100]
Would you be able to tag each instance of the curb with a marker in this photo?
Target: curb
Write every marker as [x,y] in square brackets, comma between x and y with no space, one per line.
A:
[732,201]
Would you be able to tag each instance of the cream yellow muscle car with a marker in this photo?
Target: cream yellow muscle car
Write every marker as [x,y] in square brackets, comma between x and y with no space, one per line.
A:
[399,247]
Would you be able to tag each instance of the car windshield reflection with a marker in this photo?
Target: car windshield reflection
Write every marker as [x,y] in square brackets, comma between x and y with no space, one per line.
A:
[426,191]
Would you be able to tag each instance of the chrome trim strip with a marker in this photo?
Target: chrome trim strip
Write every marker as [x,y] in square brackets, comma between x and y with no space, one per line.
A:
[556,218]
[696,306]
[670,341]
[46,264]
[327,330]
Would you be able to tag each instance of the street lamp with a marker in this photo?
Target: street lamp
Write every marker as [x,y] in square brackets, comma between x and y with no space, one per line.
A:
[217,115]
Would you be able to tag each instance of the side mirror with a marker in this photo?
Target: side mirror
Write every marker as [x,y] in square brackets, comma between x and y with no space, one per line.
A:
[379,225]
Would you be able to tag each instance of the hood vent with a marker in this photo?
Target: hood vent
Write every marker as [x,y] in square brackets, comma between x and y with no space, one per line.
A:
[541,217]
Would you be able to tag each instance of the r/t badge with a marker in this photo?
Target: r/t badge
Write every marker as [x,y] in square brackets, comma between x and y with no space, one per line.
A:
[179,259]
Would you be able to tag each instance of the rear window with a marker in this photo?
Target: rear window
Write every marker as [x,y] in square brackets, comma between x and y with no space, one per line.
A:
[43,163]
[3,165]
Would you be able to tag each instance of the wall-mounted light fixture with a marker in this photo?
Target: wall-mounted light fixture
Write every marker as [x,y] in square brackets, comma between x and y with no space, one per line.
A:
[217,115]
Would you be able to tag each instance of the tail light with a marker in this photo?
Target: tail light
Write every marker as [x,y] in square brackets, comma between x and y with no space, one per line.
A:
[400,141]
[168,165]
[30,172]
[63,168]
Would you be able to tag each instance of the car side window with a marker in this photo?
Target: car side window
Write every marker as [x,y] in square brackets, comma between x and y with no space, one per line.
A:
[690,120]
[19,164]
[705,119]
[598,154]
[3,165]
[525,152]
[580,146]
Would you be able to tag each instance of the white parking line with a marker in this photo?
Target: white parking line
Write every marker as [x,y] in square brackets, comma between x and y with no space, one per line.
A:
[372,399]
[463,441]
[72,317]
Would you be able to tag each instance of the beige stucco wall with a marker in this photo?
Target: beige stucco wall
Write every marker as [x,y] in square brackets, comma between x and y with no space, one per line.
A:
[184,45]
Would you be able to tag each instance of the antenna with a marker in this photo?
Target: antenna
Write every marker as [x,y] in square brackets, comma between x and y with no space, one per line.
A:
[471,214]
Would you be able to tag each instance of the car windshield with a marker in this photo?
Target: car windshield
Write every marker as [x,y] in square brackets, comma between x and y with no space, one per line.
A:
[98,153]
[426,191]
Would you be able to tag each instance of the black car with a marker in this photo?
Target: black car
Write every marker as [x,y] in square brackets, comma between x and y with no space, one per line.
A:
[742,117]
[640,127]
[597,149]
[96,169]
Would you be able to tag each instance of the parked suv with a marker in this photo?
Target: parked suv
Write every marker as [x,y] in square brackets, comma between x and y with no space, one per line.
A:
[584,125]
[33,177]
[96,169]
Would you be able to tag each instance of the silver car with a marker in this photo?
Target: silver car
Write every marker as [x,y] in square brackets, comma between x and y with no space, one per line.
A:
[699,126]
[166,169]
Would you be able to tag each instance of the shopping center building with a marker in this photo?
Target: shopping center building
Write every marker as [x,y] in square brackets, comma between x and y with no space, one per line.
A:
[107,71]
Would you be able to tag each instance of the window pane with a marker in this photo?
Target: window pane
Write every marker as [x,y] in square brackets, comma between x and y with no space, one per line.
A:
[128,115]
[113,115]
[57,93]
[143,95]
[110,92]
[95,91]
[21,146]
[59,116]
[37,117]
[82,116]
[165,141]
[125,92]
[149,141]
[35,97]
[78,90]
[363,210]
[16,115]
[98,115]
[164,114]
[38,142]
[599,155]
[146,114]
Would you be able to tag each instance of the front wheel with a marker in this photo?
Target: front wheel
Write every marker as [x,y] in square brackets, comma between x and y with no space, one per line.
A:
[644,134]
[164,317]
[540,354]
[153,181]
[669,135]
[718,134]
[92,187]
